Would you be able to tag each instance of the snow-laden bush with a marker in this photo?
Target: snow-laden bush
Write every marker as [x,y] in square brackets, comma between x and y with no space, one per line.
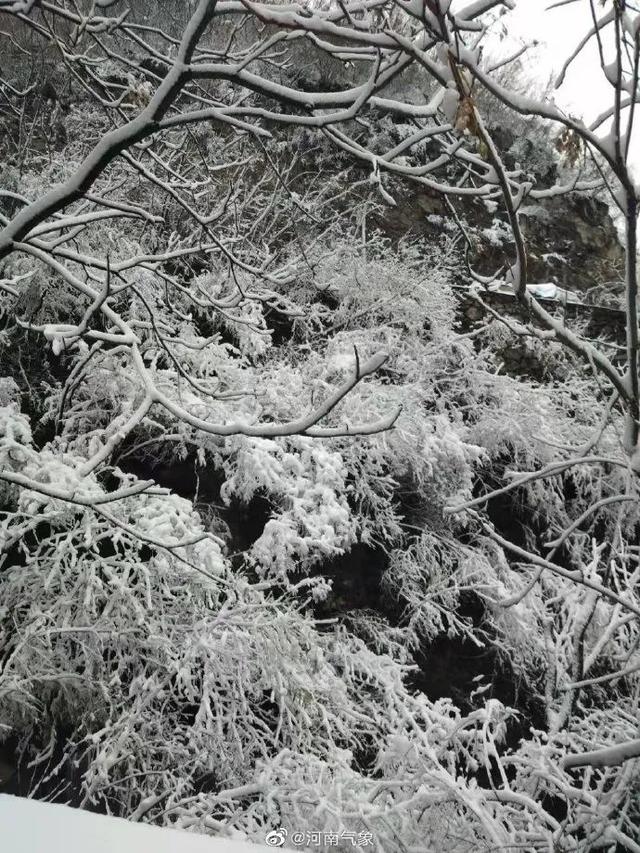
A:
[217,296]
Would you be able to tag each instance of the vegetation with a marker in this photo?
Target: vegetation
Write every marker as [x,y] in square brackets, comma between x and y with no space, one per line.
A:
[286,544]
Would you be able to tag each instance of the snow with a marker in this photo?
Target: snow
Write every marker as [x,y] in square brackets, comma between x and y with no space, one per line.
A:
[541,290]
[544,290]
[29,826]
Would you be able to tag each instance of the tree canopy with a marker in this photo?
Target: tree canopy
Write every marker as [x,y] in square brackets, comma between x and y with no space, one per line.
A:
[319,504]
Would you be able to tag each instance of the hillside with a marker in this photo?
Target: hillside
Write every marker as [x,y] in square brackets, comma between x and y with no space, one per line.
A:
[319,429]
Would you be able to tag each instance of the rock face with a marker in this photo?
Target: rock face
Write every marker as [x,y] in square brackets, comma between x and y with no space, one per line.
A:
[571,240]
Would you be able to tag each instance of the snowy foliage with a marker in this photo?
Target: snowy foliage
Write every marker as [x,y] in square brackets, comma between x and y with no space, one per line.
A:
[262,480]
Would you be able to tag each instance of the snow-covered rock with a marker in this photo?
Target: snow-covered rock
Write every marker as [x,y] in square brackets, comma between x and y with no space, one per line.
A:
[543,290]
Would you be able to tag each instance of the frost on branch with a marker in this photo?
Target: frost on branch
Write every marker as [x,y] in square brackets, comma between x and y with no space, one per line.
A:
[235,298]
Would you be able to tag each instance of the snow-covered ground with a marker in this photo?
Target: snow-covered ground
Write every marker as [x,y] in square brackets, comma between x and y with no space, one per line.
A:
[28,826]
